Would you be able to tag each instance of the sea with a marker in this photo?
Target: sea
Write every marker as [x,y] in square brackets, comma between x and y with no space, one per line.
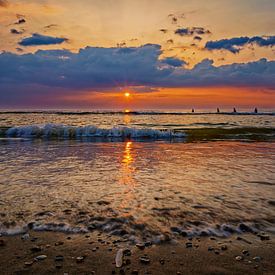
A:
[138,175]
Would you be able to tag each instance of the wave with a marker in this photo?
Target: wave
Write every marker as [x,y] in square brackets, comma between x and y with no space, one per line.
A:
[90,132]
[57,131]
[134,233]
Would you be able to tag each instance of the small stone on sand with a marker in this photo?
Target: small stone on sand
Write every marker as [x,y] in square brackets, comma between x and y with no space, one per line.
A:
[238,258]
[41,257]
[119,258]
[144,260]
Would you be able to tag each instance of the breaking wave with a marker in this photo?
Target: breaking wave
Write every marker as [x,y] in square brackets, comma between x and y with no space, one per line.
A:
[51,131]
[90,132]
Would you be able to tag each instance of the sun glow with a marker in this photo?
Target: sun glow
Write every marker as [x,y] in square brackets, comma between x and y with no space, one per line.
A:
[126,94]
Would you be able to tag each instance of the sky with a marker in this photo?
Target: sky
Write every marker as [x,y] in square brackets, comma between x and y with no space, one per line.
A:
[165,54]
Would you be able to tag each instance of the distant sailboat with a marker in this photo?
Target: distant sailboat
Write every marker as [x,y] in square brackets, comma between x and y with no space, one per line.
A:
[234,110]
[218,110]
[256,111]
[193,111]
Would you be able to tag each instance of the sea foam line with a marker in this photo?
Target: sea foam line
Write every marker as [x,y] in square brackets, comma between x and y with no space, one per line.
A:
[89,131]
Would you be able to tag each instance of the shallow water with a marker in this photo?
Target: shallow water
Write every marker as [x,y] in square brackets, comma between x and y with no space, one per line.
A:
[157,189]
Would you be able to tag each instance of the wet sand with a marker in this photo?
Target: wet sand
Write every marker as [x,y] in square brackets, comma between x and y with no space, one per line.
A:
[95,253]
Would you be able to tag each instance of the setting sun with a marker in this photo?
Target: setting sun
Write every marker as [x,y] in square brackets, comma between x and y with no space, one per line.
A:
[126,94]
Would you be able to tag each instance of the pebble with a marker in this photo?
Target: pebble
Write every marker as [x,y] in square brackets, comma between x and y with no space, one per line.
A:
[59,258]
[238,258]
[119,258]
[36,249]
[264,237]
[257,259]
[28,263]
[41,257]
[188,245]
[25,236]
[245,252]
[162,261]
[134,272]
[144,260]
[127,252]
[210,248]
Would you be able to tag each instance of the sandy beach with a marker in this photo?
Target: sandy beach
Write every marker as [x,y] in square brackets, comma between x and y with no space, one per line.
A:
[95,253]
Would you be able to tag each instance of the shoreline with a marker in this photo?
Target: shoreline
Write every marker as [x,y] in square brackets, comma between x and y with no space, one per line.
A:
[95,253]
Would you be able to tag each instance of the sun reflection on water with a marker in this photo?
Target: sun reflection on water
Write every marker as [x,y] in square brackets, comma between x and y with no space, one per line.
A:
[127,178]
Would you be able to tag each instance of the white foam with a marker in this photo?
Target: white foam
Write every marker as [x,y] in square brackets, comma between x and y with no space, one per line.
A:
[90,131]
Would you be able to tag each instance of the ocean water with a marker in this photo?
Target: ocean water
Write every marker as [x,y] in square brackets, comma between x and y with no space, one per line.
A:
[154,176]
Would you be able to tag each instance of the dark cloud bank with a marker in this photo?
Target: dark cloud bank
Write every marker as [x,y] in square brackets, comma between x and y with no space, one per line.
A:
[235,44]
[95,68]
[38,39]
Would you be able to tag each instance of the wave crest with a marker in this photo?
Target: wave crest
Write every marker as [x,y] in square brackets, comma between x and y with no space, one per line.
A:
[73,132]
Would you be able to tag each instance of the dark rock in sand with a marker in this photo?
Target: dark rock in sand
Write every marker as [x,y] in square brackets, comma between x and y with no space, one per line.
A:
[264,237]
[244,228]
[134,272]
[189,245]
[184,234]
[175,230]
[41,257]
[127,252]
[245,252]
[210,248]
[59,258]
[162,261]
[257,259]
[35,249]
[144,260]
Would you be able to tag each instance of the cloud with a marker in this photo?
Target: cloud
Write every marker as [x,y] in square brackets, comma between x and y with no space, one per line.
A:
[51,26]
[20,21]
[97,68]
[163,30]
[4,3]
[38,39]
[192,31]
[198,38]
[235,44]
[15,31]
